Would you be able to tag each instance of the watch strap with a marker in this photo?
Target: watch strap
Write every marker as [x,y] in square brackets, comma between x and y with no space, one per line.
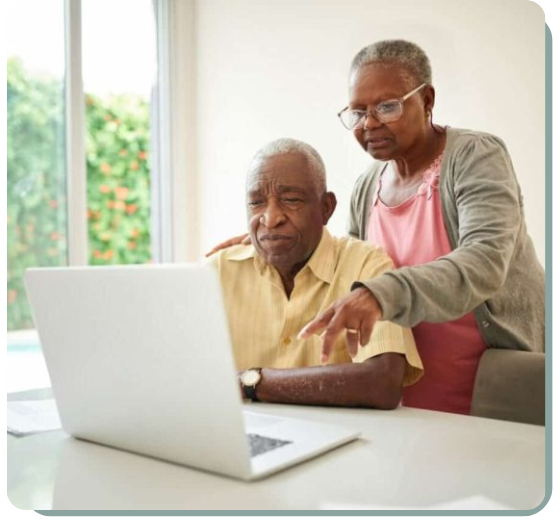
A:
[251,390]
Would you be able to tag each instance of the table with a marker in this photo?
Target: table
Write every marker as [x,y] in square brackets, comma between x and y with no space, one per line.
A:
[406,459]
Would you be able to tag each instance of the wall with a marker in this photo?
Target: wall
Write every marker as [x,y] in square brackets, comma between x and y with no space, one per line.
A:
[266,69]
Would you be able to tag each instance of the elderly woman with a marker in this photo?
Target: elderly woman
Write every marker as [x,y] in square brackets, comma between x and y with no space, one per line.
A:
[446,205]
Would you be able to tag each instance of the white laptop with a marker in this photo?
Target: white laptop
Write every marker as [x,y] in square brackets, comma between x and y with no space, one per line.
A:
[140,359]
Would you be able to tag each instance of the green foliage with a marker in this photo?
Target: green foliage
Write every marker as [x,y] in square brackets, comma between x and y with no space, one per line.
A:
[118,182]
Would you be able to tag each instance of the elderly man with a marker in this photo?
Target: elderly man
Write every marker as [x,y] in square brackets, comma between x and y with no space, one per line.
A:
[293,269]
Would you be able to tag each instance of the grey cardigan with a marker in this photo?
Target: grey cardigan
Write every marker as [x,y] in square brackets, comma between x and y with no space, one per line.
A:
[492,270]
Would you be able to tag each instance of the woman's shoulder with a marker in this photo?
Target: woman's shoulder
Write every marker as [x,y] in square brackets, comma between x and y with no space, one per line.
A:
[461,140]
[369,176]
[471,154]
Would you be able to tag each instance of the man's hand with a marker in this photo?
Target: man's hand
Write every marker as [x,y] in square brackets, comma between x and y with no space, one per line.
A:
[244,239]
[356,313]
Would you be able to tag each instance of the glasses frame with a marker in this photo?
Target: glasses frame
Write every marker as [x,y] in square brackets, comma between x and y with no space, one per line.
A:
[374,113]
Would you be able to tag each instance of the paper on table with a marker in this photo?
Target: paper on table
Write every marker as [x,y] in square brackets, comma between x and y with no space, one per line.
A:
[29,417]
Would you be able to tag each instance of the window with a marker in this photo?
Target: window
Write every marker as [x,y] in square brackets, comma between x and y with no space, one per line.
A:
[36,167]
[118,63]
[119,71]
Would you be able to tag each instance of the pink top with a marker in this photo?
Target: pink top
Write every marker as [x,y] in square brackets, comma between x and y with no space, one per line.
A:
[413,233]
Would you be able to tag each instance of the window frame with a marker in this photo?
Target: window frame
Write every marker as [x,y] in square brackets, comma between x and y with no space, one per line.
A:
[173,186]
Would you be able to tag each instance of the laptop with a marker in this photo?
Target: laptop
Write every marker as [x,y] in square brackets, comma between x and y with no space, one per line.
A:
[140,359]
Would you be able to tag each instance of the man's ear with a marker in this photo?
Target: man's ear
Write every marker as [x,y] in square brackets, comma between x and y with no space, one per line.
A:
[328,205]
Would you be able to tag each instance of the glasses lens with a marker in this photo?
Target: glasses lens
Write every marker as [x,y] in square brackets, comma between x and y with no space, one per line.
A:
[350,118]
[389,111]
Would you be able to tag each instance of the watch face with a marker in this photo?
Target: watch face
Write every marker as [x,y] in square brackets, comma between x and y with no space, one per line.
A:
[251,377]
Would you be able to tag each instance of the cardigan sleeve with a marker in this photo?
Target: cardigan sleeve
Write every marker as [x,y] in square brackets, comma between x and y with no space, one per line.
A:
[487,206]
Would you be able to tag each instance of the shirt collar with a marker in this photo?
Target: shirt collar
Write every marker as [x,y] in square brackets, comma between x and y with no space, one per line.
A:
[321,263]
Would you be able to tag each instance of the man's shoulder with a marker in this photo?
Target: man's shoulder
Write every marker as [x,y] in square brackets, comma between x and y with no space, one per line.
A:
[347,244]
[360,255]
[228,257]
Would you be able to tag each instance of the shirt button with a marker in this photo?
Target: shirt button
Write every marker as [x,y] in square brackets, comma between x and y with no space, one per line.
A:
[287,341]
[485,323]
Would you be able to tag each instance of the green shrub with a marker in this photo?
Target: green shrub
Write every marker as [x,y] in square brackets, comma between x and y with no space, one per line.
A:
[118,181]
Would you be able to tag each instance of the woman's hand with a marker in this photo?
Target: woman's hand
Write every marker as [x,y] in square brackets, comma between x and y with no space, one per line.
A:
[244,240]
[356,313]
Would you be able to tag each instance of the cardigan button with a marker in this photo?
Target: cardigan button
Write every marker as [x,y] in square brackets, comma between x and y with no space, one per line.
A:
[485,323]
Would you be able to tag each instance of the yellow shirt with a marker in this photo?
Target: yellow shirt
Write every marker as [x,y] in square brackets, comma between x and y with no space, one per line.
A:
[264,322]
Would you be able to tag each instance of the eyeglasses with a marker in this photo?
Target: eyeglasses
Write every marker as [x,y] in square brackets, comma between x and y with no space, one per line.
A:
[386,112]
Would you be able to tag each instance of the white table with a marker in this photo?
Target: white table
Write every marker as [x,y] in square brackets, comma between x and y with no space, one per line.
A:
[406,459]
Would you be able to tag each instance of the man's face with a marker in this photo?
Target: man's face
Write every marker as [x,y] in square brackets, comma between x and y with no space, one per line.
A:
[285,213]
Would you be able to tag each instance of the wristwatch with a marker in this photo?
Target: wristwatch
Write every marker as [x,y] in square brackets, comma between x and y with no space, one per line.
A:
[249,380]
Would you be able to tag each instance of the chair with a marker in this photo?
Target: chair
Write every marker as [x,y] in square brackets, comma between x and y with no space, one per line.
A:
[510,385]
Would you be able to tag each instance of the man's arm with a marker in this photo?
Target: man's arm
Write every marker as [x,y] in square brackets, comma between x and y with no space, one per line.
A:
[376,383]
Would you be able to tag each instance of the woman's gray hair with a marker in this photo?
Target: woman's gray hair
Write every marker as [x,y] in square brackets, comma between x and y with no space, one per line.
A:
[290,146]
[401,52]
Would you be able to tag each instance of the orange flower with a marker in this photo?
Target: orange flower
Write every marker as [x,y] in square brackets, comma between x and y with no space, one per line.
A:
[54,204]
[131,208]
[97,254]
[121,193]
[107,117]
[104,188]
[55,236]
[123,152]
[111,205]
[142,155]
[12,296]
[131,245]
[134,234]
[105,168]
[134,165]
[109,253]
[105,236]
[120,205]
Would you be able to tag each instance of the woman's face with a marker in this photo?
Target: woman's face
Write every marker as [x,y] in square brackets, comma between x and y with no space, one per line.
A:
[375,83]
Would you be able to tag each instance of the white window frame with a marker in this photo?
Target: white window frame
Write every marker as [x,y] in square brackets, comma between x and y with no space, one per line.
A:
[173,186]
[76,178]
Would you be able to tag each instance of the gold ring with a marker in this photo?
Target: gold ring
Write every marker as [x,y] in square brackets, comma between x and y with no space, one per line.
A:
[351,331]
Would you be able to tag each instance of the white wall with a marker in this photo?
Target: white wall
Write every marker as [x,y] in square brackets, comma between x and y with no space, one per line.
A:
[266,69]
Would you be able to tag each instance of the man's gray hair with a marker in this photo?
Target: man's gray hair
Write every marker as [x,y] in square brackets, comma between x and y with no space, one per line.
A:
[290,146]
[401,52]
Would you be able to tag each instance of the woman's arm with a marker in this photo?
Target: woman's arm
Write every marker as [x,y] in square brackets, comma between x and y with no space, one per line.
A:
[485,211]
[486,215]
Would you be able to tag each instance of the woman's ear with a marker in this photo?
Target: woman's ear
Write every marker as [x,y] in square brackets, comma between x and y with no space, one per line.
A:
[429,98]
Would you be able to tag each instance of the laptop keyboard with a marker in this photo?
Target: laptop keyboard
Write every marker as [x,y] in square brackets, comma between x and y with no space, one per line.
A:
[259,444]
